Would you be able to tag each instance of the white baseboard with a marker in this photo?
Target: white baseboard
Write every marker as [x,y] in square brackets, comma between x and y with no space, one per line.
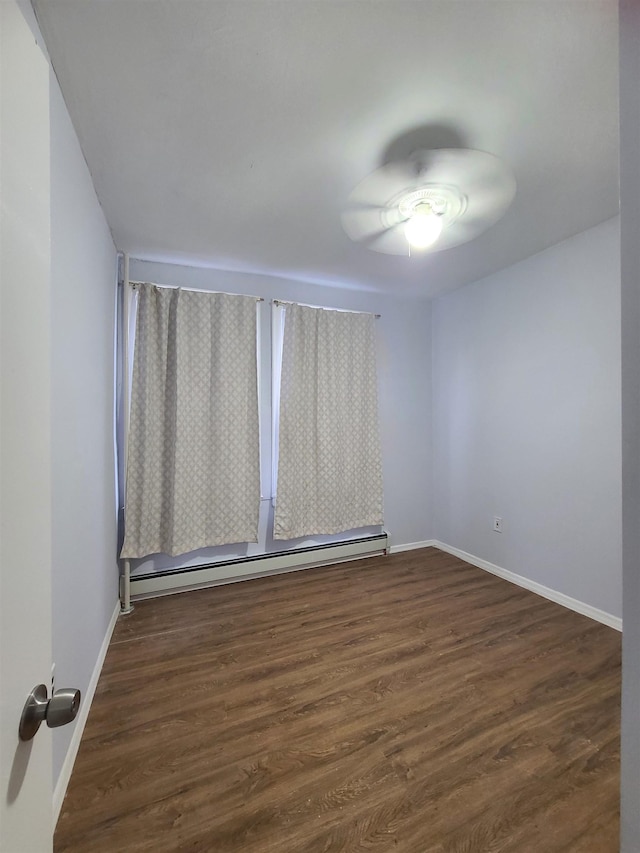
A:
[411,546]
[85,706]
[545,591]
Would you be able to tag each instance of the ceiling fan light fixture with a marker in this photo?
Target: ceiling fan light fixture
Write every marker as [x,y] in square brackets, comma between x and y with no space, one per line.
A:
[423,227]
[433,200]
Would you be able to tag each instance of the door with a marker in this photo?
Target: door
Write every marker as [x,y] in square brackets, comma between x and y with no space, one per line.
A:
[25,457]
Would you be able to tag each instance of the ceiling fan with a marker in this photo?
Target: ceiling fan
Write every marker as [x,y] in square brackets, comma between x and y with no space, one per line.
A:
[432,201]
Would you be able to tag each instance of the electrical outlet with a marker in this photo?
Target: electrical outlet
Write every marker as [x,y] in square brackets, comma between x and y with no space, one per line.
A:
[497,524]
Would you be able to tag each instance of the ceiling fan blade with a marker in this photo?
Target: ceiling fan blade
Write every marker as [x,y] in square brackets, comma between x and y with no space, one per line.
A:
[462,167]
[385,183]
[489,203]
[390,242]
[363,222]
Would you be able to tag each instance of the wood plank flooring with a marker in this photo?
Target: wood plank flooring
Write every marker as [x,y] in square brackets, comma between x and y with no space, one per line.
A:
[409,703]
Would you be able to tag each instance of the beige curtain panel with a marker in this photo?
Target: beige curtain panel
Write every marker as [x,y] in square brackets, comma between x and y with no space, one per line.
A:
[329,463]
[193,469]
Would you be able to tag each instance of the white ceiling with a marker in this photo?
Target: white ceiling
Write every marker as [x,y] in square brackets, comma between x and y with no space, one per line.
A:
[229,134]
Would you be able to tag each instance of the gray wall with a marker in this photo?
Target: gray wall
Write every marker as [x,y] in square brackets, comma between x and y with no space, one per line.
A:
[630,267]
[83,282]
[526,404]
[404,364]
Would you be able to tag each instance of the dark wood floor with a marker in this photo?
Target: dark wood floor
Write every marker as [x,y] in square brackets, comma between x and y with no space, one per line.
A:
[408,703]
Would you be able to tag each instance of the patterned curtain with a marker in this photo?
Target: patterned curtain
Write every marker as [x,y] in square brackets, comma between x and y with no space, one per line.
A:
[329,465]
[193,470]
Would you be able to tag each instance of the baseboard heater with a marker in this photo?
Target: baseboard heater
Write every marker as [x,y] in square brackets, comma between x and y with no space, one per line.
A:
[245,568]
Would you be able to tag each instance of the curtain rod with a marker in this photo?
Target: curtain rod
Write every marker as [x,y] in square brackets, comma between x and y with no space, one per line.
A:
[322,308]
[194,289]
